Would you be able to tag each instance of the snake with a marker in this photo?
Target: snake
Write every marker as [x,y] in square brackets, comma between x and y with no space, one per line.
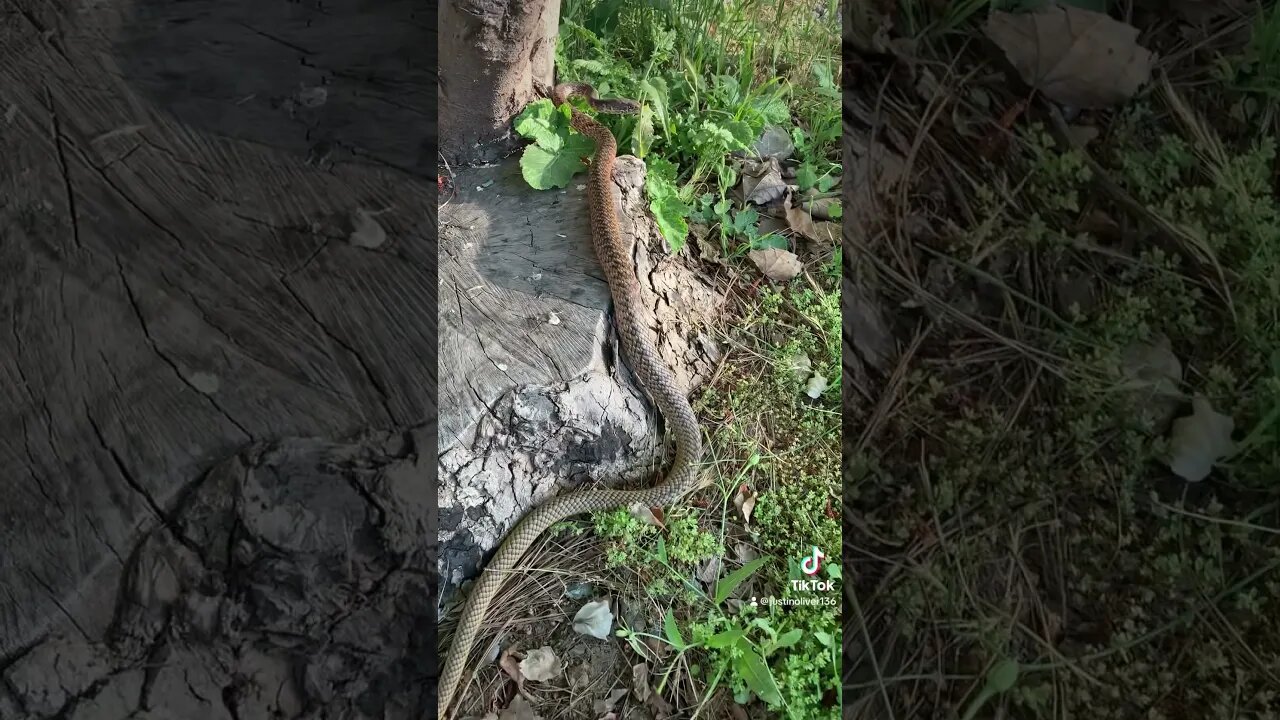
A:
[640,351]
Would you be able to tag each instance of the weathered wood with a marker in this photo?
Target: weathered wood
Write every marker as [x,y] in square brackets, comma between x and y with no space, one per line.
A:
[530,408]
[179,281]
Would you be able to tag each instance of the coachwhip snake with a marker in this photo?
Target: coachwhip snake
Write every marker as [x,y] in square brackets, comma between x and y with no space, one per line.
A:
[641,353]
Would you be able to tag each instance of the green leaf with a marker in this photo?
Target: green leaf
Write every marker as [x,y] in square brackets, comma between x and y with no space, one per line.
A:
[662,550]
[772,240]
[642,135]
[541,123]
[752,669]
[669,212]
[544,169]
[726,638]
[788,638]
[726,586]
[806,176]
[655,91]
[772,109]
[836,211]
[824,638]
[673,631]
[1003,676]
[826,182]
[745,220]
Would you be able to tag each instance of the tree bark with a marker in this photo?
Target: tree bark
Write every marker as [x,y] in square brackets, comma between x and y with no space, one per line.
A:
[491,52]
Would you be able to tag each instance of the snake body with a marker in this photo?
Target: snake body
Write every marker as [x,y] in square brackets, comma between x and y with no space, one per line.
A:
[641,354]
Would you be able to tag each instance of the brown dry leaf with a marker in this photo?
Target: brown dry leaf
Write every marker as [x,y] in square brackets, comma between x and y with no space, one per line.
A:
[640,686]
[709,570]
[647,515]
[1200,12]
[799,220]
[640,681]
[776,264]
[510,664]
[745,501]
[541,664]
[762,181]
[1076,57]
[607,703]
[519,709]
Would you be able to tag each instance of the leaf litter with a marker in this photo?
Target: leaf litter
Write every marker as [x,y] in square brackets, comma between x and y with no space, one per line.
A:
[594,619]
[1076,57]
[1199,440]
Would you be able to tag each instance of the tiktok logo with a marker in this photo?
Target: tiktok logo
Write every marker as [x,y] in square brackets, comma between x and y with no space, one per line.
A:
[812,564]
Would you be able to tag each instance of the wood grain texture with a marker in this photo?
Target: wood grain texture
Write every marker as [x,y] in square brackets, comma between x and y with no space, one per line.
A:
[512,260]
[177,275]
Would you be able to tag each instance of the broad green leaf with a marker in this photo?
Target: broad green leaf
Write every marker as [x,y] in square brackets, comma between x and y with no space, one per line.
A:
[744,221]
[806,176]
[642,134]
[673,631]
[772,109]
[755,672]
[836,211]
[826,182]
[655,91]
[544,169]
[726,586]
[726,638]
[788,638]
[669,212]
[541,123]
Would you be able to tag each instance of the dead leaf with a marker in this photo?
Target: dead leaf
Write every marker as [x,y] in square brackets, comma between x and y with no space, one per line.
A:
[1081,135]
[541,664]
[1076,57]
[745,501]
[801,221]
[866,321]
[1201,12]
[640,681]
[817,385]
[1152,372]
[519,709]
[1199,440]
[643,693]
[709,570]
[510,664]
[605,704]
[594,619]
[776,264]
[762,181]
[646,514]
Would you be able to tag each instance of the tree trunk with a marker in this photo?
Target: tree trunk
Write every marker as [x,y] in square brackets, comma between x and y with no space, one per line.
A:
[491,52]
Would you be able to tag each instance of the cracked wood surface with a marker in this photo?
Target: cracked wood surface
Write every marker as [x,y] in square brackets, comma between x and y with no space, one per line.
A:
[531,407]
[179,186]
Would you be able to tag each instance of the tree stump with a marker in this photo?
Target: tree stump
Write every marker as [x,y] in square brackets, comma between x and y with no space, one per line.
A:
[215,236]
[533,399]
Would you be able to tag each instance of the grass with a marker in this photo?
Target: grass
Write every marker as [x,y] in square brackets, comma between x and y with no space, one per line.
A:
[724,622]
[1023,545]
